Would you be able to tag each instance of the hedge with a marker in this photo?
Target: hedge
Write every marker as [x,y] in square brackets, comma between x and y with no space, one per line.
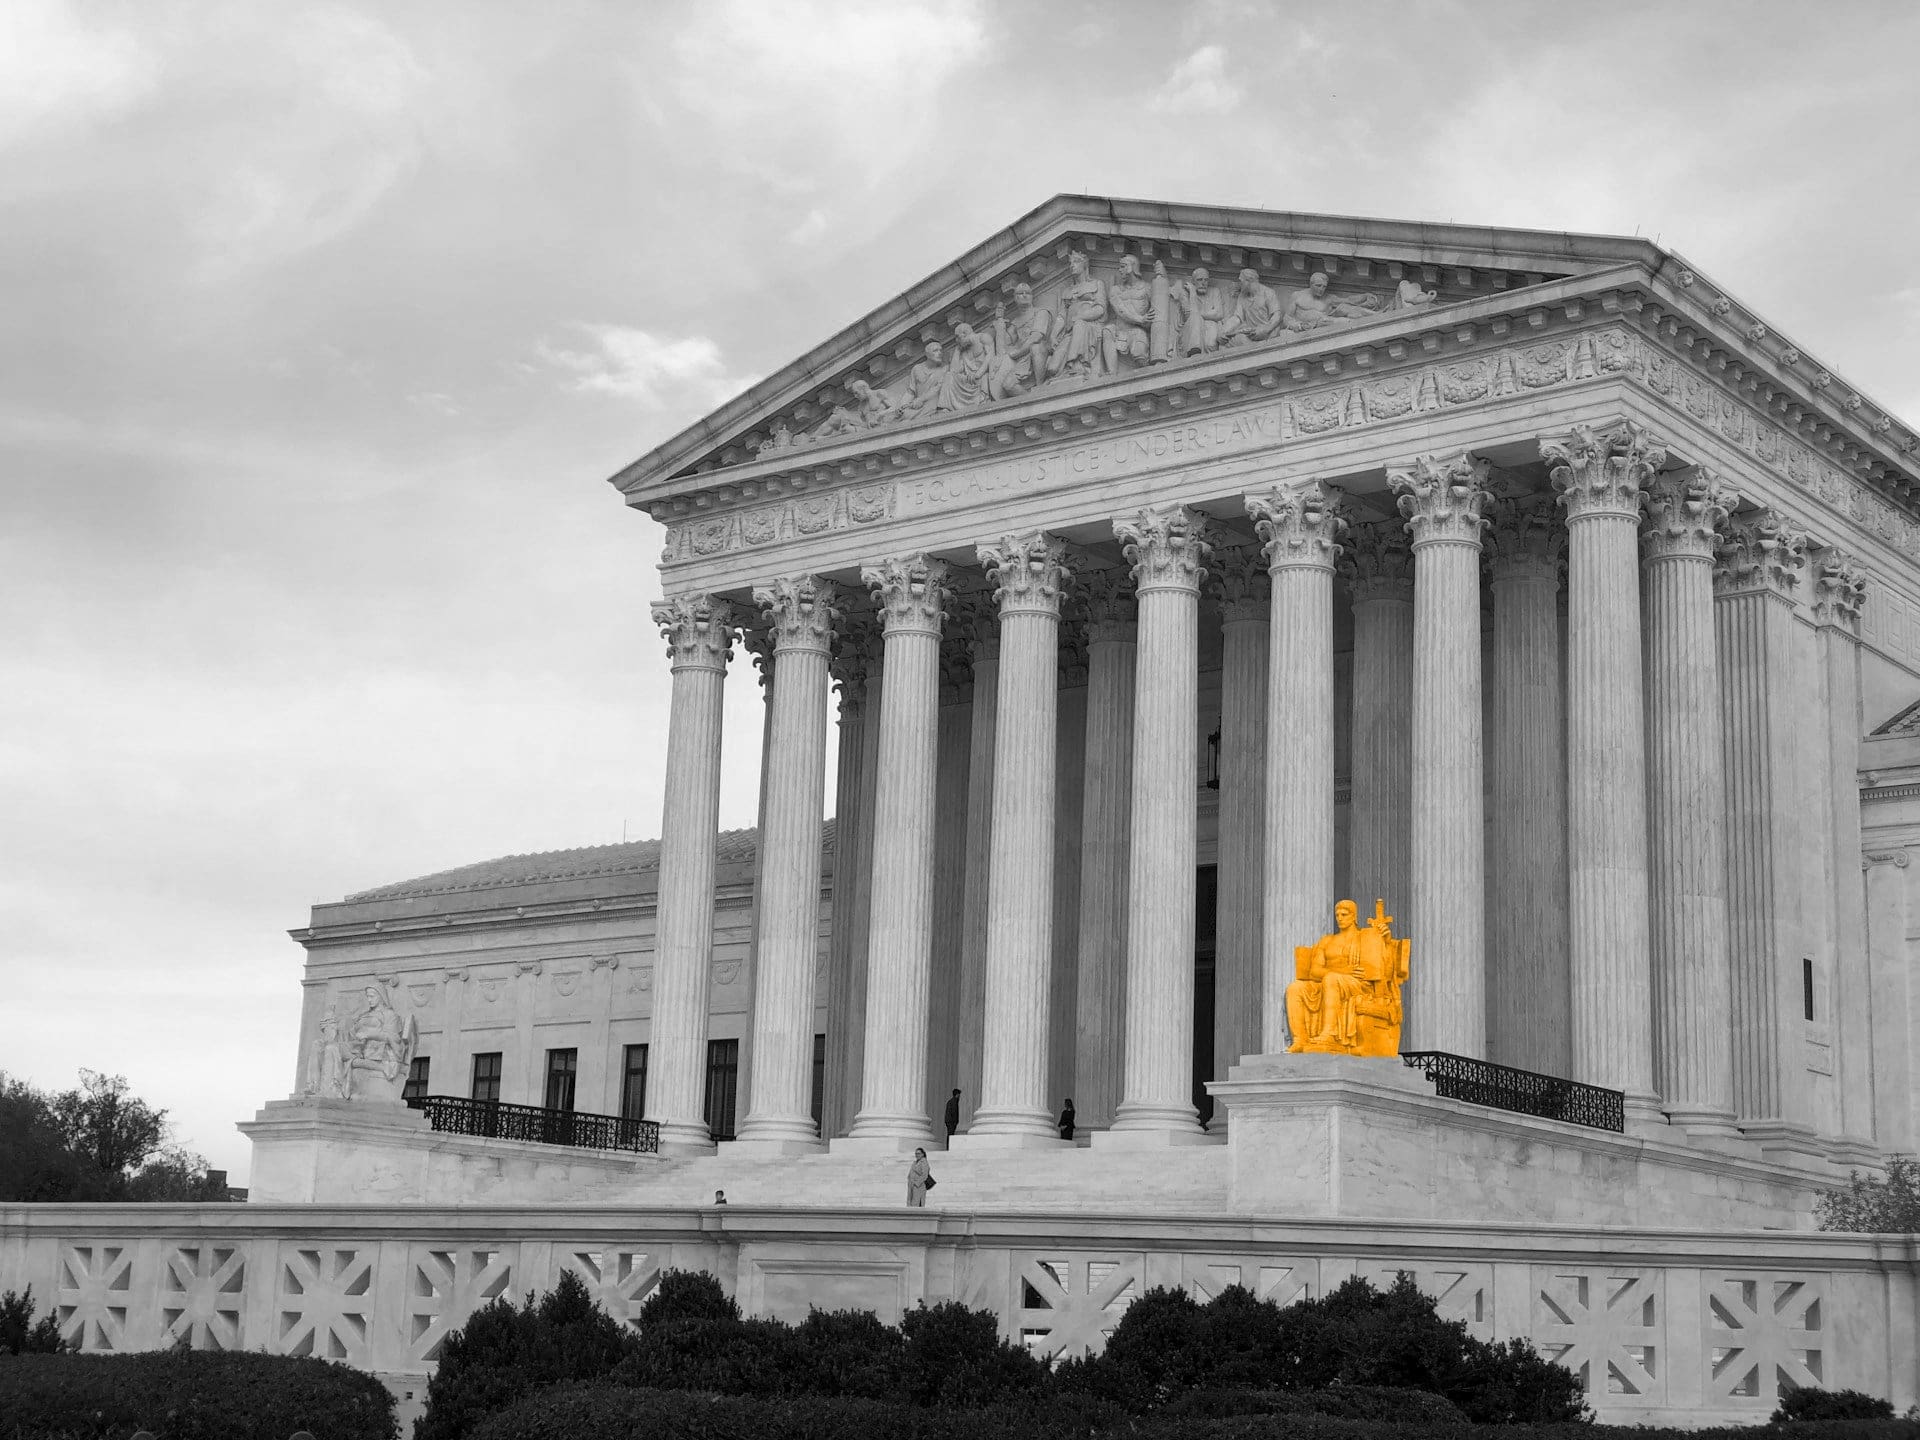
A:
[612,1412]
[189,1395]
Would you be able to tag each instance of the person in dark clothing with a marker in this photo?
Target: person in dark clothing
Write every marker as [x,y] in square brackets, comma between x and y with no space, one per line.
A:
[953,1113]
[1066,1120]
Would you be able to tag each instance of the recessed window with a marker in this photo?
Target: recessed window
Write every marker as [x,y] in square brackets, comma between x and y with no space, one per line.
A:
[1806,986]
[417,1072]
[633,1084]
[723,1084]
[486,1076]
[563,1067]
[819,1078]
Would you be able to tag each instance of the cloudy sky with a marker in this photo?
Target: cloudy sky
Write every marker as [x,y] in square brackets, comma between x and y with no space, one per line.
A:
[324,324]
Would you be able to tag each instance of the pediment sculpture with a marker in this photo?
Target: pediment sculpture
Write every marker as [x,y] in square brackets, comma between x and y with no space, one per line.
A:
[1093,327]
[367,1057]
[1345,995]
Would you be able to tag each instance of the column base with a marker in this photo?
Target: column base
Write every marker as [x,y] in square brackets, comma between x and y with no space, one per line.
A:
[777,1135]
[1709,1128]
[974,1142]
[1785,1141]
[1139,1126]
[889,1126]
[1645,1117]
[1157,1139]
[685,1137]
[1854,1152]
[880,1144]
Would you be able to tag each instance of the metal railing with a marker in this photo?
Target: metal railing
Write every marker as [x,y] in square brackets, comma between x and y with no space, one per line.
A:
[1501,1087]
[496,1120]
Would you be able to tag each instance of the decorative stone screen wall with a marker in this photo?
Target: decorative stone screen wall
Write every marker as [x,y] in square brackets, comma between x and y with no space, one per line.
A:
[1656,1323]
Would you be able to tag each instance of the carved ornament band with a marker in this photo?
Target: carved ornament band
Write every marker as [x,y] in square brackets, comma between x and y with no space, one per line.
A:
[1028,572]
[1168,546]
[1603,473]
[1444,498]
[698,631]
[1685,510]
[801,613]
[1299,525]
[910,592]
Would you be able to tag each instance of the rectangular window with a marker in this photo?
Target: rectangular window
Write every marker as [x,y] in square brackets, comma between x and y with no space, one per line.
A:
[633,1085]
[486,1076]
[417,1072]
[563,1068]
[723,1082]
[1806,986]
[819,1077]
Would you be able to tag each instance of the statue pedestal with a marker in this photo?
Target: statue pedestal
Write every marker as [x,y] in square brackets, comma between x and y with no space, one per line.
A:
[1345,1136]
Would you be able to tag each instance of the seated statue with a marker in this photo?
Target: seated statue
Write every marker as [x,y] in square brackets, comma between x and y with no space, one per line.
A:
[1345,996]
[1314,309]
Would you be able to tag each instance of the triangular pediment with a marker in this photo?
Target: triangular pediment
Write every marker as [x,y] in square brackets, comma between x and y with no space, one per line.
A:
[1085,296]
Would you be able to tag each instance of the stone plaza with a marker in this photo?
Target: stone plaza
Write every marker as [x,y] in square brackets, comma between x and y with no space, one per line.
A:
[1182,572]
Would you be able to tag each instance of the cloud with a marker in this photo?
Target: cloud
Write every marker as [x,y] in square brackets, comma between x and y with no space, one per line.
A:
[58,71]
[802,93]
[809,229]
[637,365]
[1197,86]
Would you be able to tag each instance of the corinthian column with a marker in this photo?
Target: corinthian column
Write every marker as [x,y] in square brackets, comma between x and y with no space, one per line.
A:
[1442,501]
[1244,591]
[856,674]
[910,592]
[801,614]
[1529,1004]
[976,617]
[1168,547]
[1600,480]
[1839,596]
[1028,571]
[699,634]
[1759,566]
[1379,569]
[1687,804]
[1300,526]
[1106,810]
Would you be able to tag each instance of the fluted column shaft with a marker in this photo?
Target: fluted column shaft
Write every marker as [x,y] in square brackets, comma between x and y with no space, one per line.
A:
[1896,1008]
[1028,572]
[949,872]
[983,624]
[911,595]
[1528,998]
[846,942]
[1100,995]
[1300,525]
[1168,548]
[1379,569]
[1600,480]
[801,614]
[1687,802]
[1443,502]
[1245,595]
[699,632]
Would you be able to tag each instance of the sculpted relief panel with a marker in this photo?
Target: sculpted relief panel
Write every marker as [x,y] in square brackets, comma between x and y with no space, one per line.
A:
[1096,325]
[1347,404]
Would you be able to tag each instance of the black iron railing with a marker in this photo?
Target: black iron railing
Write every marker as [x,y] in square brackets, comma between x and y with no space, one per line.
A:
[1501,1087]
[495,1120]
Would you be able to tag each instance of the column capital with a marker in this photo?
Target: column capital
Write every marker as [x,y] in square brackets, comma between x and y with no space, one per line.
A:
[1242,585]
[1072,659]
[1378,564]
[956,667]
[1685,510]
[975,619]
[855,658]
[1299,524]
[1529,542]
[757,640]
[1111,608]
[1758,554]
[1444,498]
[1602,473]
[1839,589]
[1168,546]
[1028,572]
[910,592]
[698,630]
[801,611]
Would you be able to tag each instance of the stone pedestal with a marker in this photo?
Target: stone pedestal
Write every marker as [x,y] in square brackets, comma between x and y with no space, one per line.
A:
[309,1151]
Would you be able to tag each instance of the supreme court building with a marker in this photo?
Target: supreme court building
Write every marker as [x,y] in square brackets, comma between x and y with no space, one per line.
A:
[1173,573]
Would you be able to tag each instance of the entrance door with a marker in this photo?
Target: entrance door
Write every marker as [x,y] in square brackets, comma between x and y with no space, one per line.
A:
[1207,898]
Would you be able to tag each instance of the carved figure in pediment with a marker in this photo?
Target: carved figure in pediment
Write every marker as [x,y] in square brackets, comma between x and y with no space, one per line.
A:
[969,381]
[872,407]
[1314,308]
[1079,334]
[1021,337]
[783,439]
[1131,300]
[1255,314]
[1201,311]
[926,384]
[1409,295]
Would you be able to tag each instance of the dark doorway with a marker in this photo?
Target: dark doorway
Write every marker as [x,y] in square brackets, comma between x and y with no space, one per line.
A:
[1206,907]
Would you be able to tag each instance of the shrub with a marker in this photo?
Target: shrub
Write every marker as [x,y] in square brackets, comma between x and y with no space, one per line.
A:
[849,1352]
[955,1358]
[1810,1402]
[201,1394]
[687,1295]
[1345,1402]
[1888,1205]
[21,1334]
[503,1352]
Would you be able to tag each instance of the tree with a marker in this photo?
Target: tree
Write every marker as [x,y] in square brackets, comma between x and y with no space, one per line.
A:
[95,1142]
[1887,1205]
[103,1123]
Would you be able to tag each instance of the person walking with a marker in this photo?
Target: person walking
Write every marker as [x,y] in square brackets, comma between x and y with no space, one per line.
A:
[919,1180]
[1066,1120]
[953,1113]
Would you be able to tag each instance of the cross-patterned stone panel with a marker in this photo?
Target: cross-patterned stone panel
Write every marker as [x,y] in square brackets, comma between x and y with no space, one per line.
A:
[94,1294]
[1460,1292]
[444,1286]
[203,1297]
[1282,1279]
[324,1302]
[1607,1325]
[1766,1334]
[619,1280]
[1068,1304]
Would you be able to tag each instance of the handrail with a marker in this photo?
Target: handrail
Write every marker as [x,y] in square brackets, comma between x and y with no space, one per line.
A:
[496,1120]
[1524,1092]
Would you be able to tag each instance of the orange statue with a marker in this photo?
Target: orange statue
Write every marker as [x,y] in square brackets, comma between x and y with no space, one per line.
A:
[1345,996]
